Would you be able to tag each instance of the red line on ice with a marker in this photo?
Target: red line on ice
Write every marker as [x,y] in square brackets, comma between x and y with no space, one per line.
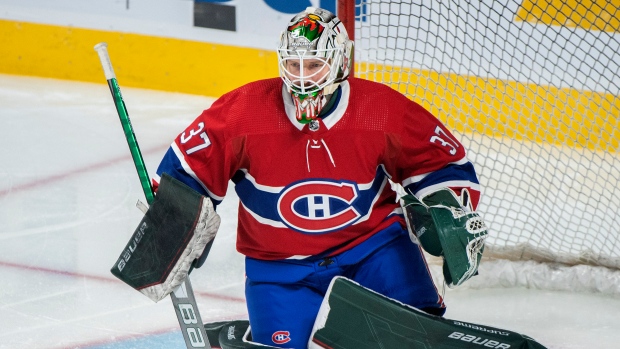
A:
[77,171]
[102,278]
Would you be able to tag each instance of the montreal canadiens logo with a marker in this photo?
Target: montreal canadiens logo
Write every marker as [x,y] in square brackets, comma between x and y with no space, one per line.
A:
[318,206]
[281,337]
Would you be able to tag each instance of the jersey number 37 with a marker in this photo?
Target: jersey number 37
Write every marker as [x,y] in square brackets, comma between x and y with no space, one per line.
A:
[202,134]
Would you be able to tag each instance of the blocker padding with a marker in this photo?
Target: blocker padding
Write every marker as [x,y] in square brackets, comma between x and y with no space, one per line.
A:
[161,237]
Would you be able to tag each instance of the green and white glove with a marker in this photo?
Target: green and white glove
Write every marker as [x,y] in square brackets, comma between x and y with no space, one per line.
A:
[444,228]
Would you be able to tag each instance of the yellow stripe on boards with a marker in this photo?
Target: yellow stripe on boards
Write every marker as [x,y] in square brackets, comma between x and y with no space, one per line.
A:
[601,15]
[510,109]
[465,103]
[139,60]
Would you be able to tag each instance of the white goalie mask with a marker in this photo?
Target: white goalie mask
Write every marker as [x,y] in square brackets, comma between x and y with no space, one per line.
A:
[314,56]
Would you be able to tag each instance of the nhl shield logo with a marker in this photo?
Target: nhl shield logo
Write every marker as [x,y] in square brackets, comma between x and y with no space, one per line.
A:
[318,206]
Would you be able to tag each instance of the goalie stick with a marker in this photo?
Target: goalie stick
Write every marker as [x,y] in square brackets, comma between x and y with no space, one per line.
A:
[183,298]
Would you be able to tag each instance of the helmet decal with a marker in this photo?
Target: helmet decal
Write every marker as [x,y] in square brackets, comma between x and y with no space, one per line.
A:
[307,28]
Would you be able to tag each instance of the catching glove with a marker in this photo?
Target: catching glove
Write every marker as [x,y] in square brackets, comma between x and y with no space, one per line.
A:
[444,228]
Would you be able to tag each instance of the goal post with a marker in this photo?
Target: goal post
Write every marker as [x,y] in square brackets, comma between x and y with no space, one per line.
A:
[532,89]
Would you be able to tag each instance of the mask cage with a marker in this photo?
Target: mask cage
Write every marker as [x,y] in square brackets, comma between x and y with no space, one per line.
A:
[299,81]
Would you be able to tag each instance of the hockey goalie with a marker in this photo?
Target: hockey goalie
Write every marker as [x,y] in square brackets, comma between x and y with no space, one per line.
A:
[333,258]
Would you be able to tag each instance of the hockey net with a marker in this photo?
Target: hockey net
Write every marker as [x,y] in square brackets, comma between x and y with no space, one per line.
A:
[532,90]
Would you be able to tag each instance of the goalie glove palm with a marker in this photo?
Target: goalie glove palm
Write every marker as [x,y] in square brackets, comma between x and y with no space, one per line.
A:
[445,229]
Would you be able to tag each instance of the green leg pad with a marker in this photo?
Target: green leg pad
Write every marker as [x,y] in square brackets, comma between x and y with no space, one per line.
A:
[352,316]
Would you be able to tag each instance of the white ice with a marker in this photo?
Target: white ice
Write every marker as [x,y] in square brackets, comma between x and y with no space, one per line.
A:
[68,190]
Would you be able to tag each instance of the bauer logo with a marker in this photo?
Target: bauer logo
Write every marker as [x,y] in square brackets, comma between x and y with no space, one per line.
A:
[318,206]
[483,342]
[131,247]
[192,325]
[281,337]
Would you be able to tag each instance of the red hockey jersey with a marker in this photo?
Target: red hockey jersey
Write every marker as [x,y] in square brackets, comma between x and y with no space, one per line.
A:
[320,188]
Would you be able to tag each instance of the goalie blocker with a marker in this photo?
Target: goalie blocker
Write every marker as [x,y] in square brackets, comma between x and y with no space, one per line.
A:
[173,235]
[354,317]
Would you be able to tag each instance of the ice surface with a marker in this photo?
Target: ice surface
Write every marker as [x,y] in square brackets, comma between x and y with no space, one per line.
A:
[68,190]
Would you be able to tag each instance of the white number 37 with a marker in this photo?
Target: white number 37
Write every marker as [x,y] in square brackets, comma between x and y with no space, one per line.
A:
[202,134]
[442,138]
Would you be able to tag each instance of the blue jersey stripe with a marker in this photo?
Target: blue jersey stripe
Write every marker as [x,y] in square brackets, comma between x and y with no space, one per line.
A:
[262,201]
[463,173]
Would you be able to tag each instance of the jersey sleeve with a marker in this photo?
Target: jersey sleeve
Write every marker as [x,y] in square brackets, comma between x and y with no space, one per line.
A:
[201,156]
[430,158]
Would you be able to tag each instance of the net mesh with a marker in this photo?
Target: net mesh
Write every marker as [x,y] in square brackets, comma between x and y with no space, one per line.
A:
[531,88]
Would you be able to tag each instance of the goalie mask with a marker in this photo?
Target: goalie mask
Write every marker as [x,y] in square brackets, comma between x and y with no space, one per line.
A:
[314,56]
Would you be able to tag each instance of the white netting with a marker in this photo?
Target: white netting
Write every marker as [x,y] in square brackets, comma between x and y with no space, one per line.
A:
[532,90]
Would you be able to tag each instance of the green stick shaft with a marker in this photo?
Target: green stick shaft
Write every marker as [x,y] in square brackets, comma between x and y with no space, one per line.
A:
[134,148]
[102,50]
